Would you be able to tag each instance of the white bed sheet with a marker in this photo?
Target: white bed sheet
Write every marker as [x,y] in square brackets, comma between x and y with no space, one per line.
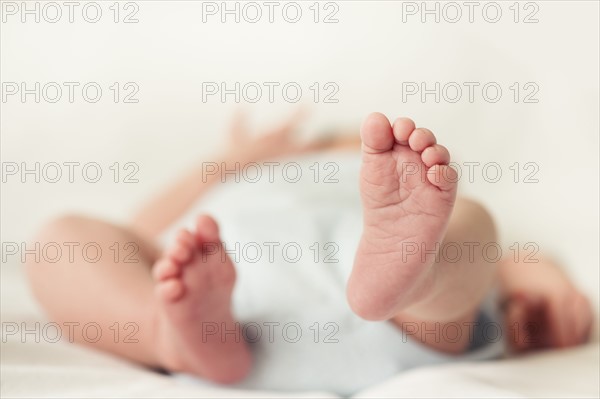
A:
[62,370]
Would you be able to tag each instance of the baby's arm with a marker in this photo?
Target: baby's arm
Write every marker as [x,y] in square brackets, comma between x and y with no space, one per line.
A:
[542,307]
[159,212]
[243,148]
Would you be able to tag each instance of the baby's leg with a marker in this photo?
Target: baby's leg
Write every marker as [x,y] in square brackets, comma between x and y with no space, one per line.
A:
[462,279]
[165,311]
[408,193]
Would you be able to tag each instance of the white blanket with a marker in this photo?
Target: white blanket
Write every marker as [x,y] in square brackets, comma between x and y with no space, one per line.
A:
[62,370]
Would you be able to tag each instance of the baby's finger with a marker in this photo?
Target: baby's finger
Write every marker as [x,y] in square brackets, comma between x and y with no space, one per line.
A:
[583,318]
[572,326]
[558,322]
[515,317]
[289,126]
[238,129]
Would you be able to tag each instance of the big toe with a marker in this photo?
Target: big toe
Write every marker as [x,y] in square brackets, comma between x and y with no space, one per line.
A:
[376,133]
[207,229]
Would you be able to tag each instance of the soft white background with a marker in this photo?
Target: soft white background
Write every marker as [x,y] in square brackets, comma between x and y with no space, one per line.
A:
[369,53]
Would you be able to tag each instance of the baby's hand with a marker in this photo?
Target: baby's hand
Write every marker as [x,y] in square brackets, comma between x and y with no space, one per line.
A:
[279,142]
[542,308]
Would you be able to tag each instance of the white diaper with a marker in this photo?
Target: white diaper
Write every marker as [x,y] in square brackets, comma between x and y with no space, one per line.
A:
[293,245]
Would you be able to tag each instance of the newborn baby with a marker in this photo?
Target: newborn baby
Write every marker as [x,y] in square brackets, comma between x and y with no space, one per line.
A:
[407,302]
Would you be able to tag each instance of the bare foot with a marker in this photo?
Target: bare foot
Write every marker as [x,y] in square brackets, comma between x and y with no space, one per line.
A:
[408,193]
[196,330]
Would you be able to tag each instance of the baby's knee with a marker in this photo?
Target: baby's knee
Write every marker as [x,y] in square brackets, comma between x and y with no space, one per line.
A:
[57,232]
[472,207]
[61,225]
[473,214]
[47,247]
[58,224]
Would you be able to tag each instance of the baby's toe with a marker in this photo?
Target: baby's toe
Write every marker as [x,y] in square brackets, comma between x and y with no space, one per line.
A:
[207,229]
[180,252]
[165,268]
[435,155]
[403,127]
[376,134]
[186,237]
[420,139]
[443,177]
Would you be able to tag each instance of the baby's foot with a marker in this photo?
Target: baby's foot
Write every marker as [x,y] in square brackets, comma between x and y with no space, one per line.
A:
[408,192]
[196,330]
